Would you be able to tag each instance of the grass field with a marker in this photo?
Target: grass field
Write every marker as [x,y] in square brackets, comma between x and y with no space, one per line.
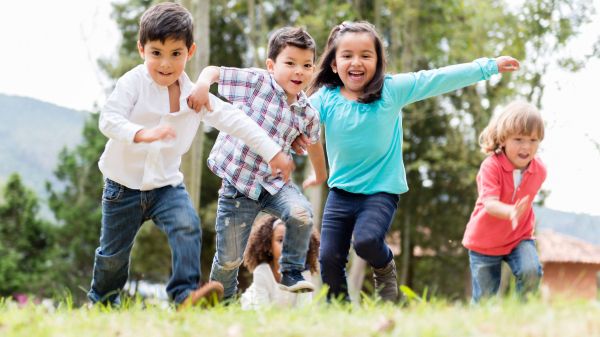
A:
[507,317]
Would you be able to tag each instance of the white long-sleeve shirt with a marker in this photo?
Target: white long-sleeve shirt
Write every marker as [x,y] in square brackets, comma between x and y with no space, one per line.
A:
[264,291]
[137,102]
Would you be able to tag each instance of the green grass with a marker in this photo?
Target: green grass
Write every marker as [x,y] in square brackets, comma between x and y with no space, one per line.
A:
[508,317]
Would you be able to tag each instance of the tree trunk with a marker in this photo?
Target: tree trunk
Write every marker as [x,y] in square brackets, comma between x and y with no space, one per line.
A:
[192,164]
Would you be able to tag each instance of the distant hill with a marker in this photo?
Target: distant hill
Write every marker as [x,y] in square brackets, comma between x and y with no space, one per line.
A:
[32,133]
[582,226]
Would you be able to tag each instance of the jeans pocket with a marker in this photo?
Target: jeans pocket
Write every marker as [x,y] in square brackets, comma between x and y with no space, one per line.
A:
[112,191]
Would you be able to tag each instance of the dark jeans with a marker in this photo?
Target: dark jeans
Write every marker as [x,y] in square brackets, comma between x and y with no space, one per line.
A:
[367,218]
[123,212]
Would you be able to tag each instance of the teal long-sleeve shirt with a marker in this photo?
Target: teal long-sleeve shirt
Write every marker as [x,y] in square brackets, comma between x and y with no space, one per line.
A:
[364,141]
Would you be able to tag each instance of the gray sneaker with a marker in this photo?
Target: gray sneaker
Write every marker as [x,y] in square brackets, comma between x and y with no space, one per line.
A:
[386,282]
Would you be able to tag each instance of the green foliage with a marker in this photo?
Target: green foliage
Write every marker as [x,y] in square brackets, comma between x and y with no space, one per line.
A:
[77,207]
[26,242]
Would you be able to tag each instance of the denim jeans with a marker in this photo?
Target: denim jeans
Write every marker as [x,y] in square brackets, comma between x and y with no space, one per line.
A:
[123,212]
[235,216]
[367,218]
[486,270]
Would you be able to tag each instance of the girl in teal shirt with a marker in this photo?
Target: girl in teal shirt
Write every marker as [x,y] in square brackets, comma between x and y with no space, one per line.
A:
[360,107]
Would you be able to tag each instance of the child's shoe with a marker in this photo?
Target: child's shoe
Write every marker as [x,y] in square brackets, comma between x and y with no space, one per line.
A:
[208,294]
[293,281]
[386,283]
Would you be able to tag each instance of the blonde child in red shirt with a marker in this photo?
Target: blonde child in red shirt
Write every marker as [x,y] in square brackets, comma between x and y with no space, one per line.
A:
[502,223]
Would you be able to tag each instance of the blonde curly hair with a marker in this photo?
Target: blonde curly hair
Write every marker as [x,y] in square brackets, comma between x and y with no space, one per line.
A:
[518,118]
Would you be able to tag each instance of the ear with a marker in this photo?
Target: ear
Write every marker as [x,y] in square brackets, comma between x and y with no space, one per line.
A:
[334,66]
[140,49]
[270,65]
[191,51]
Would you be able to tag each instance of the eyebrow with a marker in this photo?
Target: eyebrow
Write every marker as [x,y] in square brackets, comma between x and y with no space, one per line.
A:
[288,58]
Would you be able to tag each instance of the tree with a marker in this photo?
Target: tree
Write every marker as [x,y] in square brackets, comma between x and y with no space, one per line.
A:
[26,243]
[77,207]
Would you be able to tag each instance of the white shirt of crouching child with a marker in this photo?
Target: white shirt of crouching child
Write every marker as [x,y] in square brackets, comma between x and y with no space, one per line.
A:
[264,291]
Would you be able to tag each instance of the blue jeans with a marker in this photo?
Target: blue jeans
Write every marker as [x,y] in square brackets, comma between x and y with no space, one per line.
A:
[367,218]
[486,270]
[235,216]
[123,212]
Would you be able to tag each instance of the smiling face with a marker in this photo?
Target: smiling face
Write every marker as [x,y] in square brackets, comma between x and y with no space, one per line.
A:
[520,149]
[292,69]
[355,62]
[165,61]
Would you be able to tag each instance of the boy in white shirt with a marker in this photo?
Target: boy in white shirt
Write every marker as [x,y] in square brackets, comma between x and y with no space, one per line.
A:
[150,127]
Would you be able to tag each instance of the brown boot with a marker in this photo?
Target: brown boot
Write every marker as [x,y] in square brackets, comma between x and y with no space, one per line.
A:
[386,282]
[208,294]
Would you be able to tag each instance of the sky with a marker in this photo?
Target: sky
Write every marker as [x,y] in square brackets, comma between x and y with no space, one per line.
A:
[53,58]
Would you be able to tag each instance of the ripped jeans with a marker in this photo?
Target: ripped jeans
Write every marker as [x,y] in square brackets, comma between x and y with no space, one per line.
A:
[235,216]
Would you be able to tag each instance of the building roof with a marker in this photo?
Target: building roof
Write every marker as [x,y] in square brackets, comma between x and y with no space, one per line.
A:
[557,247]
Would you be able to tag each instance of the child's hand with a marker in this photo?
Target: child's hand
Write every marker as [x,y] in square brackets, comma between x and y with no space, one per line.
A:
[311,181]
[199,98]
[300,144]
[517,210]
[282,166]
[156,133]
[507,63]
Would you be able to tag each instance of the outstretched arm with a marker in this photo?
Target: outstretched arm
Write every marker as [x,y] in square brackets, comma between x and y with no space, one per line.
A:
[198,98]
[413,87]
[505,211]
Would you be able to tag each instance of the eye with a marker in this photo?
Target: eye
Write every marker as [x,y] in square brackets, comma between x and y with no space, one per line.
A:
[308,66]
[155,53]
[289,63]
[176,53]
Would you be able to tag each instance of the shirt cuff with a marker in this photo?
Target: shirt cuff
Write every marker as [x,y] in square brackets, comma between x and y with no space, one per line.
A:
[269,150]
[488,67]
[130,130]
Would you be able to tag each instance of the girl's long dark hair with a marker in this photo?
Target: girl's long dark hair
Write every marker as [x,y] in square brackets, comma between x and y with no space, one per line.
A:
[325,75]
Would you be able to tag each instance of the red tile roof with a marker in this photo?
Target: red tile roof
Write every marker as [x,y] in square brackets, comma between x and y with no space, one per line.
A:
[556,247]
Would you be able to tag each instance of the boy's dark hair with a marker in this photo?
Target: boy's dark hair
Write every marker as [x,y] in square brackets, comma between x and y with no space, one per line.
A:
[326,76]
[290,36]
[259,245]
[164,21]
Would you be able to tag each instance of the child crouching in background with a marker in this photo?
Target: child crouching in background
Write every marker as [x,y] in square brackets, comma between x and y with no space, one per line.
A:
[262,259]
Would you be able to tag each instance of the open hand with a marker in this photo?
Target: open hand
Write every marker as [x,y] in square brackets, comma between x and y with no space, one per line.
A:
[507,63]
[161,132]
[518,209]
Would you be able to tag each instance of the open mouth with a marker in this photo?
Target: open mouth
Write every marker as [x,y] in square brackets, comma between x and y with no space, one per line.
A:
[523,156]
[296,82]
[164,74]
[356,75]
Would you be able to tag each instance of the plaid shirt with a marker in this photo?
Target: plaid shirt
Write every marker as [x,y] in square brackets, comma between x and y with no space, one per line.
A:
[255,92]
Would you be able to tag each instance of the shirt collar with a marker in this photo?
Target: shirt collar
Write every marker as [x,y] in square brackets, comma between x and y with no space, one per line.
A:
[509,167]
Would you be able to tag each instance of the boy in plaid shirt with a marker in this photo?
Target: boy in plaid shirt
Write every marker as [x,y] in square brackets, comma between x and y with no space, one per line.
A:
[275,100]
